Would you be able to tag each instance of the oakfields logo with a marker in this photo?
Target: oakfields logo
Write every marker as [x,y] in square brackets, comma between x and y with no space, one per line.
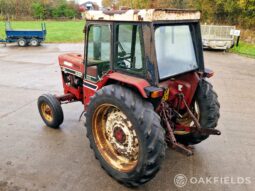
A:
[180,180]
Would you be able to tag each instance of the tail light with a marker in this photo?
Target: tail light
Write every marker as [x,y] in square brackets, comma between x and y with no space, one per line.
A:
[154,92]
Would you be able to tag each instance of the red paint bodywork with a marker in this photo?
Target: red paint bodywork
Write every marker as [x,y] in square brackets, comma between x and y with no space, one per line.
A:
[138,83]
[73,58]
[186,84]
[189,83]
[74,62]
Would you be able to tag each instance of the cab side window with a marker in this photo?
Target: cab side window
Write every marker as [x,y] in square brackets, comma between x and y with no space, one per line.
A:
[129,48]
[98,52]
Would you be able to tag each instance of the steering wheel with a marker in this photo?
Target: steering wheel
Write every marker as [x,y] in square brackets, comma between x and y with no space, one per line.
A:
[123,53]
[123,57]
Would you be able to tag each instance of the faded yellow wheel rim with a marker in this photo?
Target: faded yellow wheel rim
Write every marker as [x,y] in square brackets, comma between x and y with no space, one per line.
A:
[47,112]
[115,138]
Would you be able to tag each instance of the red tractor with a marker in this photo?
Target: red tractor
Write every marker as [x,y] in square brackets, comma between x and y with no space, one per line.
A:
[143,85]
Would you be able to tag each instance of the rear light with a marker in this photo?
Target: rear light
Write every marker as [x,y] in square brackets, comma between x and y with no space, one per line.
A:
[154,92]
[157,94]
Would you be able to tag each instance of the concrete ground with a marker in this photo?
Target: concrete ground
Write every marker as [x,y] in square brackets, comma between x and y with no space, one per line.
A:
[34,157]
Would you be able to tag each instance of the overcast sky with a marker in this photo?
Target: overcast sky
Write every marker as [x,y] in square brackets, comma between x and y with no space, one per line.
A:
[99,2]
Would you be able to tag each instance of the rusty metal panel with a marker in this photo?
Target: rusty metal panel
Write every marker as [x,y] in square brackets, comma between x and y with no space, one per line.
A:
[146,15]
[150,54]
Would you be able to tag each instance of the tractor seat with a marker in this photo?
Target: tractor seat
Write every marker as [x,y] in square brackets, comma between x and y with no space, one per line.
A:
[92,70]
[97,68]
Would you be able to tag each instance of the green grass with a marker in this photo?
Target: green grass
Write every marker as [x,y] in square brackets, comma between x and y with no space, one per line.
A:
[57,31]
[245,49]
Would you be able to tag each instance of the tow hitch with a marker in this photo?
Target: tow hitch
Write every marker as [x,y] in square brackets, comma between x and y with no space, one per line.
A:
[167,113]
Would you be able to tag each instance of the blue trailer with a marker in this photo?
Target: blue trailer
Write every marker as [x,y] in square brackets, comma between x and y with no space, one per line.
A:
[24,37]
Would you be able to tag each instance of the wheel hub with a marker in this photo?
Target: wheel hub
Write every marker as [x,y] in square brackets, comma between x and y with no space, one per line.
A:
[115,137]
[22,43]
[46,112]
[120,134]
[34,42]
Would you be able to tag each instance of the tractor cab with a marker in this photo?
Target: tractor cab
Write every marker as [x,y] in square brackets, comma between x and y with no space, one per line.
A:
[151,44]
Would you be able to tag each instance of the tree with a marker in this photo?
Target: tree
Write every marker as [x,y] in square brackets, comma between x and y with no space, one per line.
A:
[38,10]
[108,3]
[64,10]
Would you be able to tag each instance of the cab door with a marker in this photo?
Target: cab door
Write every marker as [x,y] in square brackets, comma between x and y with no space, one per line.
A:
[98,60]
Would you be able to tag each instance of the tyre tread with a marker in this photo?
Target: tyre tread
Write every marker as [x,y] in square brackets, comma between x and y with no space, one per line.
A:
[150,127]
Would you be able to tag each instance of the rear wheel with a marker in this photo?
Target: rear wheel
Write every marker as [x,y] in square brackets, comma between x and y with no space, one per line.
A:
[50,110]
[125,134]
[22,42]
[206,108]
[34,42]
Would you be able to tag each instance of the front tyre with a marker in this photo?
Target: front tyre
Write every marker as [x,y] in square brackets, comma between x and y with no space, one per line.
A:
[125,134]
[50,110]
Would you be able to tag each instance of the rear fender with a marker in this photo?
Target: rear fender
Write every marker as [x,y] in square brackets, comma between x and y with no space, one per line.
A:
[138,83]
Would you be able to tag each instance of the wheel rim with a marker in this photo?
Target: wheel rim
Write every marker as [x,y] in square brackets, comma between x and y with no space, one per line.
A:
[115,138]
[187,120]
[34,42]
[47,112]
[22,43]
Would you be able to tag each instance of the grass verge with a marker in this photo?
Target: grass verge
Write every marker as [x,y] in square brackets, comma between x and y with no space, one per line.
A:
[57,31]
[244,49]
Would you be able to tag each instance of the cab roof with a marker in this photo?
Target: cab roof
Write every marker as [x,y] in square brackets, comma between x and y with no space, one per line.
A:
[143,15]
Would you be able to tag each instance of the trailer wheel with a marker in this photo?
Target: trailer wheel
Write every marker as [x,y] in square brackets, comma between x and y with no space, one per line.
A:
[34,42]
[22,42]
[50,110]
[126,135]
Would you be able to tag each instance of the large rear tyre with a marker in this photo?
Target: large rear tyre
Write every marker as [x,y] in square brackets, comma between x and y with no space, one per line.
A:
[125,134]
[50,110]
[208,112]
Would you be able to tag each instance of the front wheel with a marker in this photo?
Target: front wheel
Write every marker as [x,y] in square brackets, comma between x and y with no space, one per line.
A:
[125,134]
[50,110]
